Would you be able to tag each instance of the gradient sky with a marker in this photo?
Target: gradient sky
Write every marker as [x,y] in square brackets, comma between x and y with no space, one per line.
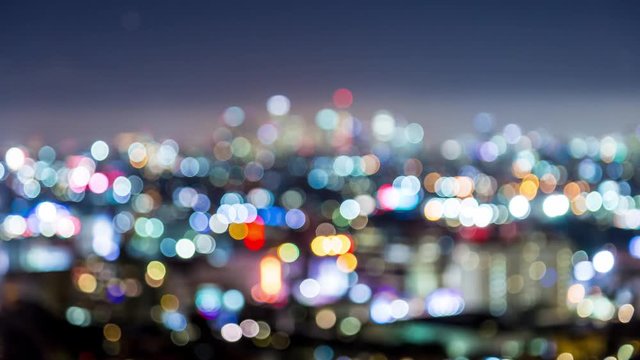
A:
[89,69]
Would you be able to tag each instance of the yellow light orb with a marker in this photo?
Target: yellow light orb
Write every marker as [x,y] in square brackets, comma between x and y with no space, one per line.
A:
[347,262]
[169,302]
[87,283]
[156,270]
[317,246]
[238,231]
[112,332]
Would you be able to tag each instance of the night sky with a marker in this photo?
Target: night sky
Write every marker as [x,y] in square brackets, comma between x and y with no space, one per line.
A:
[90,69]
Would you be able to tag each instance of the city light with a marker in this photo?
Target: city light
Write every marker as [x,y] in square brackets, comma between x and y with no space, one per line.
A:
[270,275]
